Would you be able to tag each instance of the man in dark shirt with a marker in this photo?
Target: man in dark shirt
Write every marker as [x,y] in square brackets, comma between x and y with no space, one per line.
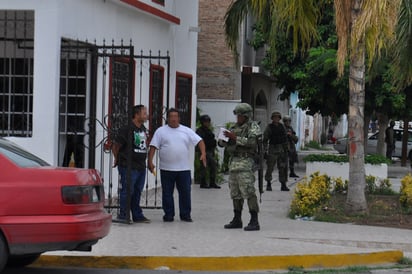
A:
[390,140]
[209,138]
[137,141]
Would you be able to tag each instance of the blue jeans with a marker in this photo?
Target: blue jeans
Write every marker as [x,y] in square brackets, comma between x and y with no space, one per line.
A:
[183,184]
[137,179]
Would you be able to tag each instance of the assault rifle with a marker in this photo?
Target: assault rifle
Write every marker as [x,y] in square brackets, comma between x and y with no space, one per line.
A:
[260,160]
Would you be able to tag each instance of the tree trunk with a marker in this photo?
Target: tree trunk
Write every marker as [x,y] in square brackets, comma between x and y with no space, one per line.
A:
[383,122]
[356,200]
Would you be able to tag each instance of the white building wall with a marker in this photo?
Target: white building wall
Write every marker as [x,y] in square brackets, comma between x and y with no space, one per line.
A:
[46,77]
[99,20]
[221,113]
[186,49]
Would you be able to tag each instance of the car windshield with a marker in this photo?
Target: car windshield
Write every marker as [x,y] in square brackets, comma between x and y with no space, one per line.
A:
[19,156]
[398,135]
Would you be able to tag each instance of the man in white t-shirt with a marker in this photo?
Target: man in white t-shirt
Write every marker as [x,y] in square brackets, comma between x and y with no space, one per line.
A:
[173,141]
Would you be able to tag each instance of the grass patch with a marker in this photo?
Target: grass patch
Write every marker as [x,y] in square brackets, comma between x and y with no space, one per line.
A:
[383,210]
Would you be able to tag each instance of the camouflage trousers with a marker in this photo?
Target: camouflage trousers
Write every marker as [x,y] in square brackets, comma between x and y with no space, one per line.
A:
[277,155]
[242,186]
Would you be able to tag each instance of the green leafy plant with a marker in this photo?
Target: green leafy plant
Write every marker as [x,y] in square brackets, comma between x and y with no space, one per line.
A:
[378,186]
[340,186]
[310,195]
[406,192]
[370,184]
[326,158]
[375,159]
[369,159]
[313,144]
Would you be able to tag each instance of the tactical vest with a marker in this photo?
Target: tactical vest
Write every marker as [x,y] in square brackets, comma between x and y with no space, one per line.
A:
[242,131]
[277,134]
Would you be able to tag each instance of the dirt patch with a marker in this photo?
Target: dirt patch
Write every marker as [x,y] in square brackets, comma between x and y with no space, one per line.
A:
[384,210]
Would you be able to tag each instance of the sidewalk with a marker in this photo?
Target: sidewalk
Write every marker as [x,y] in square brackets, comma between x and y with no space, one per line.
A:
[206,245]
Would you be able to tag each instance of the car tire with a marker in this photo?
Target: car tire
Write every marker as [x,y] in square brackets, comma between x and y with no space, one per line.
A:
[4,252]
[22,260]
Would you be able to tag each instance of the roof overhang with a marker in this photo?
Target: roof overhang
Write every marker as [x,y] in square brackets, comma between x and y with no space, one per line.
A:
[151,10]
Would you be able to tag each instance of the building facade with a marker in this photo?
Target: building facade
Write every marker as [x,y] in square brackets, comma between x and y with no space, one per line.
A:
[221,85]
[70,70]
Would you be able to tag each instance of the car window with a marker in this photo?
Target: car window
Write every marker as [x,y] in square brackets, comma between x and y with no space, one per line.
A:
[397,135]
[374,136]
[21,157]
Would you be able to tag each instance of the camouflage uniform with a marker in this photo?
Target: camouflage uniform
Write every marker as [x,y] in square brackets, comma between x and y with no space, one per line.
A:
[241,164]
[292,140]
[275,135]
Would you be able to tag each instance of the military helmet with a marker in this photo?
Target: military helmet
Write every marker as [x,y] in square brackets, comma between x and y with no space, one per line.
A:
[243,109]
[204,118]
[276,113]
[286,118]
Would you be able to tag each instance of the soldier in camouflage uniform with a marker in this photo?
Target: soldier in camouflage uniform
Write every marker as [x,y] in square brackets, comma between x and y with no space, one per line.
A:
[275,134]
[241,146]
[292,140]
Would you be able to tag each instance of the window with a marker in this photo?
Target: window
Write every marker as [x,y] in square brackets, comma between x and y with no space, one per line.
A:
[119,92]
[160,2]
[16,73]
[21,157]
[72,95]
[73,101]
[156,98]
[184,97]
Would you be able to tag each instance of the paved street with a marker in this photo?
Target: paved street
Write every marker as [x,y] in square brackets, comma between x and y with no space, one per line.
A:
[206,245]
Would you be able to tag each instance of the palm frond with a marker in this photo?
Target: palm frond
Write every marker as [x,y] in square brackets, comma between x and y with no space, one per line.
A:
[402,65]
[234,17]
[376,25]
[343,15]
[301,18]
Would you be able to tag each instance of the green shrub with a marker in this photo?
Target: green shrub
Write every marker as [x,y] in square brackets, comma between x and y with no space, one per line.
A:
[313,144]
[309,195]
[370,184]
[339,185]
[373,159]
[326,158]
[406,192]
[378,186]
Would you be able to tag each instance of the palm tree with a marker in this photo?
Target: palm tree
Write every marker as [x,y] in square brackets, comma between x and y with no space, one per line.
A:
[364,27]
[403,47]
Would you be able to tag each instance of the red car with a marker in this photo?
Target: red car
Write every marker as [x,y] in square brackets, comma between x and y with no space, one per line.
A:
[45,208]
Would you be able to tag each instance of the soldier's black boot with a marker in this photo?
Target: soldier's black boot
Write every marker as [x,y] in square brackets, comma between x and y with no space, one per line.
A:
[284,187]
[236,222]
[253,224]
[213,183]
[292,173]
[203,184]
[268,186]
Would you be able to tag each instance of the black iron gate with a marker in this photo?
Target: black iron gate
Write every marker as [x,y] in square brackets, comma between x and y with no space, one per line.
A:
[97,92]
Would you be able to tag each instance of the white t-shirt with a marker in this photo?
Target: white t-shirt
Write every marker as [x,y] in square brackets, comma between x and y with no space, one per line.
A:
[174,146]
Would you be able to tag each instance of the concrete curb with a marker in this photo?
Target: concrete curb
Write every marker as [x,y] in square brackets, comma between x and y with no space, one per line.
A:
[223,263]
